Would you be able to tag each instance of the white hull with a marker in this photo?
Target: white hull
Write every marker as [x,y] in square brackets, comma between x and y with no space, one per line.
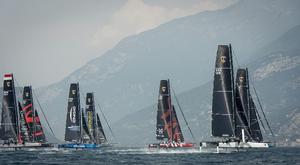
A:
[24,146]
[243,145]
[219,146]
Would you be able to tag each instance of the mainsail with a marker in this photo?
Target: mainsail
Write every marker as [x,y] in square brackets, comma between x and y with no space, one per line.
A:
[242,113]
[100,135]
[90,114]
[28,111]
[9,117]
[161,131]
[223,94]
[73,120]
[167,125]
[39,135]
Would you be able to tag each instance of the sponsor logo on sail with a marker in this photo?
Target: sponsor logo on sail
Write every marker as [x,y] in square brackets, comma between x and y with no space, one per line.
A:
[73,114]
[164,89]
[218,71]
[90,119]
[160,130]
[223,59]
[73,92]
[241,79]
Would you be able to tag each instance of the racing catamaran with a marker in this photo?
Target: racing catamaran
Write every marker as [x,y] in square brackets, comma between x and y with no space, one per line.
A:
[234,114]
[20,126]
[168,129]
[83,127]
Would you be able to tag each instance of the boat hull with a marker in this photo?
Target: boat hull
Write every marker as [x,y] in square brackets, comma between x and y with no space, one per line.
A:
[26,145]
[171,145]
[237,145]
[79,146]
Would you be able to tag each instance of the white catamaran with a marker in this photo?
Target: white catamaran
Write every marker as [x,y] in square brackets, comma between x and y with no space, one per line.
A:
[234,114]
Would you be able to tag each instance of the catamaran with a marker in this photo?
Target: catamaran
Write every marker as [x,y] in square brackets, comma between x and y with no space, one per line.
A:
[234,114]
[20,126]
[168,130]
[83,127]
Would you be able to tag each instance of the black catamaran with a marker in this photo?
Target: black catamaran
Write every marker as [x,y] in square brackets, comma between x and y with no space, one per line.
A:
[20,126]
[83,127]
[234,115]
[168,130]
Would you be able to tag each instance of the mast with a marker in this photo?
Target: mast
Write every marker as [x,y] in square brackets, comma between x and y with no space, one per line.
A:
[90,113]
[242,104]
[73,118]
[223,94]
[9,117]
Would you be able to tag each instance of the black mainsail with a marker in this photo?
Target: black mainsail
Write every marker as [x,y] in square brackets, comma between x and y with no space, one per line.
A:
[90,114]
[28,111]
[9,117]
[223,94]
[242,113]
[161,131]
[167,126]
[73,120]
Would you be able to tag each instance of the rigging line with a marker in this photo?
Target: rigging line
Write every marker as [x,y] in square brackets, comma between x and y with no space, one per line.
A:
[43,113]
[113,135]
[183,115]
[262,108]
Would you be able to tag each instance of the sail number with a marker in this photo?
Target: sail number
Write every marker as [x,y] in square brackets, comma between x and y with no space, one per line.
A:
[218,71]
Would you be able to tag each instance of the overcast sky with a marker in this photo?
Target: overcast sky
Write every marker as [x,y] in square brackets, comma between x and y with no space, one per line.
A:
[42,41]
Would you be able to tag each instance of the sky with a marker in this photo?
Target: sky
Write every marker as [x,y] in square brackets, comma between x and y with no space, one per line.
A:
[43,41]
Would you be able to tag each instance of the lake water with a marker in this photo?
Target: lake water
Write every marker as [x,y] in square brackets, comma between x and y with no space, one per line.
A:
[280,156]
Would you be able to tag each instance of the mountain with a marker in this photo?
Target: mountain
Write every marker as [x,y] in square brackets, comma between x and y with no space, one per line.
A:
[276,77]
[125,78]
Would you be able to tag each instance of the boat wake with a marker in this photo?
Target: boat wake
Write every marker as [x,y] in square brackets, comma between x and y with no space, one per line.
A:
[129,151]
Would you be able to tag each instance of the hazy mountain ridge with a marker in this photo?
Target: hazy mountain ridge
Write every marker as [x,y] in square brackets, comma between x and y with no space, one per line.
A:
[125,78]
[278,89]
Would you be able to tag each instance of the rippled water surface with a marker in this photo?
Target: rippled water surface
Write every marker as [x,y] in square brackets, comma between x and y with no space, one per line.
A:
[124,156]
